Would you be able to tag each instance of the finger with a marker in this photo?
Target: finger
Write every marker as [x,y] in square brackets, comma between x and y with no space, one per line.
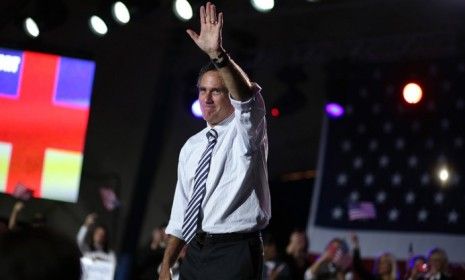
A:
[194,36]
[213,13]
[220,19]
[207,12]
[203,19]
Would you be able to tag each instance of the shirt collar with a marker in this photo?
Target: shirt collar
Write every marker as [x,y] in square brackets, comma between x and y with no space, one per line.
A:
[221,125]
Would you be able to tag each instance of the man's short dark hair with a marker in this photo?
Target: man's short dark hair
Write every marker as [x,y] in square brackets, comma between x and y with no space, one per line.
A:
[207,67]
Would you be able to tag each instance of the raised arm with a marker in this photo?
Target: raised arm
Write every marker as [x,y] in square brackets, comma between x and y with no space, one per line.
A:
[357,263]
[210,41]
[312,272]
[12,222]
[81,235]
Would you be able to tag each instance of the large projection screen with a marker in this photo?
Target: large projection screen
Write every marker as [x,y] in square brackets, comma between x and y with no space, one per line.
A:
[44,109]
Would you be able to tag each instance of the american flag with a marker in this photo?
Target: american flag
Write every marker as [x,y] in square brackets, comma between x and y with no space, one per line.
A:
[361,210]
[388,152]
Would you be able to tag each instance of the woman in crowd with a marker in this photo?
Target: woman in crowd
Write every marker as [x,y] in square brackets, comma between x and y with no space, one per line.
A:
[438,266]
[93,239]
[384,268]
[296,254]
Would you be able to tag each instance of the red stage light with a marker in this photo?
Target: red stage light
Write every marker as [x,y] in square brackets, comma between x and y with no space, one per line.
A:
[275,112]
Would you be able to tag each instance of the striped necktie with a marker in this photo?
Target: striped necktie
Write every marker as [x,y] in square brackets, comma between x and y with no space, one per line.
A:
[191,217]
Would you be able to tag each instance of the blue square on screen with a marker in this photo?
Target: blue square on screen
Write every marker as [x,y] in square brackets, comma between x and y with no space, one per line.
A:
[75,79]
[10,71]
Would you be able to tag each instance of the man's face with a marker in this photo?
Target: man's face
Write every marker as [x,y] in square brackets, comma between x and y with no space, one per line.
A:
[213,98]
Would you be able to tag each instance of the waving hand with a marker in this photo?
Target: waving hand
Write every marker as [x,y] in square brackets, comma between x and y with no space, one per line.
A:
[211,23]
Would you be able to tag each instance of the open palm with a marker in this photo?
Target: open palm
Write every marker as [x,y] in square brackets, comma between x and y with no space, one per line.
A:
[211,23]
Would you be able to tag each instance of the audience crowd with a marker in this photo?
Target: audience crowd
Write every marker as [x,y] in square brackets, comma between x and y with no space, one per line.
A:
[25,247]
[343,261]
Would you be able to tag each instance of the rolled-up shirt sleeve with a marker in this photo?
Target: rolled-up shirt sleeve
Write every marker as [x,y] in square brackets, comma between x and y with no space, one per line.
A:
[179,202]
[250,118]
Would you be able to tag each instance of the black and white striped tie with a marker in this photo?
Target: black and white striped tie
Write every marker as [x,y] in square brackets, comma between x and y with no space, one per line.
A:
[191,217]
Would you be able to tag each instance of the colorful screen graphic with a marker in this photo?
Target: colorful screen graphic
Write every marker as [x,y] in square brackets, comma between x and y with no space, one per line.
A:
[44,108]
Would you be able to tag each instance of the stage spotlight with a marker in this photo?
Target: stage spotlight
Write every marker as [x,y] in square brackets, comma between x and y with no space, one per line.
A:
[182,9]
[97,25]
[120,13]
[262,5]
[107,15]
[31,27]
[443,175]
[41,16]
[412,93]
[334,110]
[195,108]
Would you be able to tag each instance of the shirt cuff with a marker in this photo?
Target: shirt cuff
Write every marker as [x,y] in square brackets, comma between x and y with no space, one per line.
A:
[241,105]
[175,232]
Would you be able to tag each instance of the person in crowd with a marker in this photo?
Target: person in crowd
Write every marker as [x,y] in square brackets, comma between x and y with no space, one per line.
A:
[384,267]
[296,253]
[93,240]
[274,267]
[438,266]
[39,254]
[38,220]
[333,263]
[417,266]
[152,255]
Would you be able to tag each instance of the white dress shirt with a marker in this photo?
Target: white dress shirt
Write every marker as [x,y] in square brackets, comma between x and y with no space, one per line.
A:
[237,195]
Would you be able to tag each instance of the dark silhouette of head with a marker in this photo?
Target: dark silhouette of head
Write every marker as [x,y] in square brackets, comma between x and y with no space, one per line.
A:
[40,254]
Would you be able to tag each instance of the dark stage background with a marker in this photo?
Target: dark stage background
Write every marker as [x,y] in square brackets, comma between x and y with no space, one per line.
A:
[145,80]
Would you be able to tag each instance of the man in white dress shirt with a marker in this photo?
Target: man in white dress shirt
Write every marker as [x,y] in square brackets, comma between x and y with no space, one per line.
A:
[222,198]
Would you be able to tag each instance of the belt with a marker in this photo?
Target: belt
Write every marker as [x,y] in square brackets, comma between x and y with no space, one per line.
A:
[205,237]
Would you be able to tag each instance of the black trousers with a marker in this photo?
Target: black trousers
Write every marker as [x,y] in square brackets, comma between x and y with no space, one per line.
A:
[223,257]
